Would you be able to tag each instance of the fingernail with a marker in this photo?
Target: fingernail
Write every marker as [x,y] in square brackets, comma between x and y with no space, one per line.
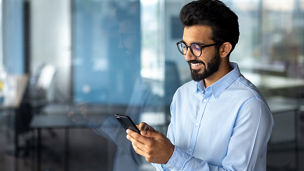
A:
[127,131]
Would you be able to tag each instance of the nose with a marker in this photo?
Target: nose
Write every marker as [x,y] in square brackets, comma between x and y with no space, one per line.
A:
[189,56]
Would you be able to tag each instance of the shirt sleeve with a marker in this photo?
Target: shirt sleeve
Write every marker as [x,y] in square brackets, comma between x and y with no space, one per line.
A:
[247,146]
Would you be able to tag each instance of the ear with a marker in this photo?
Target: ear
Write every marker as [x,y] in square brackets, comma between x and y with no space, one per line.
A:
[225,49]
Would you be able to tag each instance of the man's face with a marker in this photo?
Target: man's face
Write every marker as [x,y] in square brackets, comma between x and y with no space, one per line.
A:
[208,63]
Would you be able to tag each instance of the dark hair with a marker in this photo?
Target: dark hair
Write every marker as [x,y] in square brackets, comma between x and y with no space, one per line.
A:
[217,15]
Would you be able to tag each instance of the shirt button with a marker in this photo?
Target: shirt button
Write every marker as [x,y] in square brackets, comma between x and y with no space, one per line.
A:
[205,100]
[197,124]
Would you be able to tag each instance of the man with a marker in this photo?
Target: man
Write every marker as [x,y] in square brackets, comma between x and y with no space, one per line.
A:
[219,121]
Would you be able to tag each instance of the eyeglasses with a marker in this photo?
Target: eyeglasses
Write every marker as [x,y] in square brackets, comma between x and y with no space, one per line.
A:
[195,48]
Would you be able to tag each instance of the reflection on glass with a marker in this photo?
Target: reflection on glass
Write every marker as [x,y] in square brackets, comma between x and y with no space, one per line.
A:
[125,57]
[118,70]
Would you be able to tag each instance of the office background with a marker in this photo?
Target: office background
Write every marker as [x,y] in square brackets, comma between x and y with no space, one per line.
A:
[98,57]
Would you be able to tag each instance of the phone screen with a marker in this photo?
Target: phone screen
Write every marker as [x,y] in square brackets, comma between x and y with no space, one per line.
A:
[126,122]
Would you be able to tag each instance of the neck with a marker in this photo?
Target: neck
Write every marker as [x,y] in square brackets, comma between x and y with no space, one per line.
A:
[224,69]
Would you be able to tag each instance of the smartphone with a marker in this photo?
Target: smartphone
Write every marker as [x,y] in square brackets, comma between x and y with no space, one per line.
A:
[126,122]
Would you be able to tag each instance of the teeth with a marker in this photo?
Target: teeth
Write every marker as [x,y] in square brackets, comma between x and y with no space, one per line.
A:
[196,64]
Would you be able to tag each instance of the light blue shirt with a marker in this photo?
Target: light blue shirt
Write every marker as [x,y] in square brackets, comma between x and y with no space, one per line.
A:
[223,127]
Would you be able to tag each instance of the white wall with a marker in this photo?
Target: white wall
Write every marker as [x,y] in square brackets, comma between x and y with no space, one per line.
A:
[51,39]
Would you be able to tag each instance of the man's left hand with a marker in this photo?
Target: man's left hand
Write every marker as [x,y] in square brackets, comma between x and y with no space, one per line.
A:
[152,145]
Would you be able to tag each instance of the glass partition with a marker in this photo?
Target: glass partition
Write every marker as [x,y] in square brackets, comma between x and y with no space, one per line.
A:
[125,55]
[118,66]
[120,57]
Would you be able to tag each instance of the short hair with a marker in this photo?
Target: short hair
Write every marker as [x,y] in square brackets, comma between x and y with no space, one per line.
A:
[214,13]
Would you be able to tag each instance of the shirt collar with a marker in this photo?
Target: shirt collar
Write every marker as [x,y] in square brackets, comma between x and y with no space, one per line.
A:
[223,83]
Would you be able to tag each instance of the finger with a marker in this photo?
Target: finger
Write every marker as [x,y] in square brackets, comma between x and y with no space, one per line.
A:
[140,143]
[138,137]
[133,140]
[131,132]
[138,146]
[138,150]
[146,146]
[142,126]
[151,134]
[148,127]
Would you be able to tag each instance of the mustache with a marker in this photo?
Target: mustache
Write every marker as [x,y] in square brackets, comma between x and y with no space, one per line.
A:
[195,62]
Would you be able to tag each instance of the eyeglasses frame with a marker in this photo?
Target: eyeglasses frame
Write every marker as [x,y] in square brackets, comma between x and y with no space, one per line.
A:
[200,45]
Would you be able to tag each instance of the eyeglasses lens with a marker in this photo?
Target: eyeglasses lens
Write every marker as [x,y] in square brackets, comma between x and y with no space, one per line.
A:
[182,48]
[196,49]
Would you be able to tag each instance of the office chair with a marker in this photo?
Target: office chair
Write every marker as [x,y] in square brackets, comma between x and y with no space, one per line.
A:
[33,101]
[40,84]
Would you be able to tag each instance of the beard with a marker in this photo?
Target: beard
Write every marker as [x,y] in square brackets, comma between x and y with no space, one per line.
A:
[213,66]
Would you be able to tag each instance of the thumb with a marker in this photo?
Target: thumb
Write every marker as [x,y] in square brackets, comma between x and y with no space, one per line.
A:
[151,134]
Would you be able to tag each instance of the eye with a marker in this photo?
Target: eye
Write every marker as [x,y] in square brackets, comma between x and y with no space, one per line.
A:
[195,47]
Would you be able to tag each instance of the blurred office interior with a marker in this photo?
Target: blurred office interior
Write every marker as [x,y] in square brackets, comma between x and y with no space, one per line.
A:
[66,66]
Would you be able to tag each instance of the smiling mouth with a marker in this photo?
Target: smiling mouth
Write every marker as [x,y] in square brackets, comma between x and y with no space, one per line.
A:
[196,65]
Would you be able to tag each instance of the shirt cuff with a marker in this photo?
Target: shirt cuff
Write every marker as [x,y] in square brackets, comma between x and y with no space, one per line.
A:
[177,160]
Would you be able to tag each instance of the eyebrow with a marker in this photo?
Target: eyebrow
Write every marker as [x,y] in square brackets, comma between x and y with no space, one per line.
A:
[199,43]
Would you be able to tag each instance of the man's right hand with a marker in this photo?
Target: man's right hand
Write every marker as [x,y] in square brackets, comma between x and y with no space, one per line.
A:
[150,144]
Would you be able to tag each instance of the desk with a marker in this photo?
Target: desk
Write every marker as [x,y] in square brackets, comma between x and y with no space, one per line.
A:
[67,116]
[60,121]
[277,85]
[273,82]
[285,131]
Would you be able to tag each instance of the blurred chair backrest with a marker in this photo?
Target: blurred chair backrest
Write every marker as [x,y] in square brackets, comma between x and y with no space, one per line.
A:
[46,76]
[41,82]
[15,90]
